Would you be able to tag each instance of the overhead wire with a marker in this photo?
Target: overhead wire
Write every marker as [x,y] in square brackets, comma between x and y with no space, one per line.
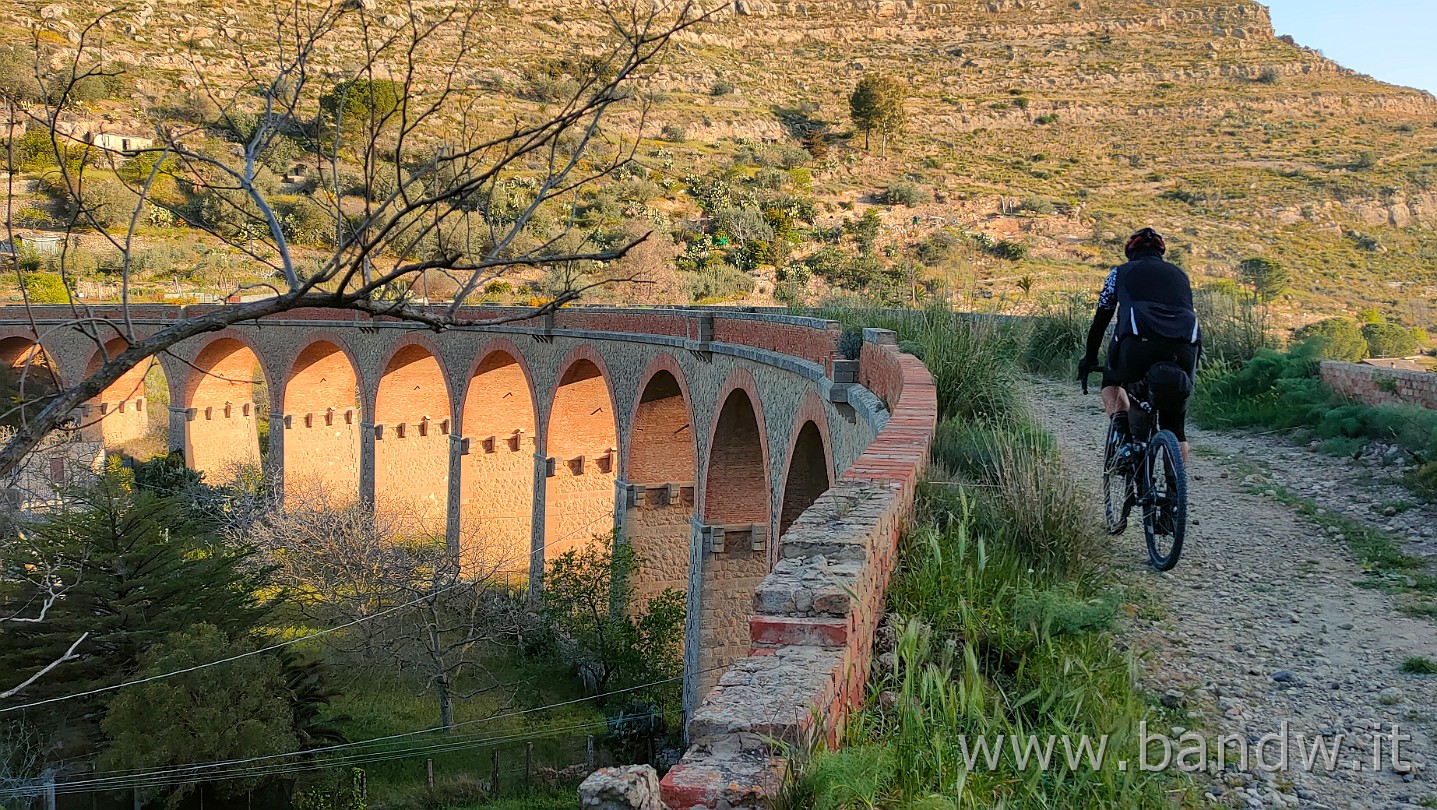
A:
[227,769]
[272,647]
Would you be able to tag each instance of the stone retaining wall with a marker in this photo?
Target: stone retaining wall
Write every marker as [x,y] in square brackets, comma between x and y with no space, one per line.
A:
[1381,386]
[811,634]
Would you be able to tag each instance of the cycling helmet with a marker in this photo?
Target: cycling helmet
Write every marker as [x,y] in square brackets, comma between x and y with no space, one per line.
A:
[1145,242]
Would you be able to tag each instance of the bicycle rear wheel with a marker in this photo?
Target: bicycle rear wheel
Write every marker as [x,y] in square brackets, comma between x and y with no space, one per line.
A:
[1115,484]
[1165,501]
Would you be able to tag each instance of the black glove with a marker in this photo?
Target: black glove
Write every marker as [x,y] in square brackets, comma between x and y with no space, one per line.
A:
[1087,366]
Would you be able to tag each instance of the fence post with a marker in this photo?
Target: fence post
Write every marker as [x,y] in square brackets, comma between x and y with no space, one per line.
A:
[429,769]
[494,775]
[589,754]
[528,766]
[49,790]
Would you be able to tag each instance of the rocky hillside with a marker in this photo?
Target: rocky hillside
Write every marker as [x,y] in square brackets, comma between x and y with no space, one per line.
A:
[1058,125]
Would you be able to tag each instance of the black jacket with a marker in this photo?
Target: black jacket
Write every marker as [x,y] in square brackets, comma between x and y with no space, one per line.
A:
[1149,298]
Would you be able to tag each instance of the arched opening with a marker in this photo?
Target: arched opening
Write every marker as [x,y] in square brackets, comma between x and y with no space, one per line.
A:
[27,380]
[321,427]
[131,415]
[227,422]
[583,453]
[807,475]
[496,476]
[661,480]
[411,442]
[736,504]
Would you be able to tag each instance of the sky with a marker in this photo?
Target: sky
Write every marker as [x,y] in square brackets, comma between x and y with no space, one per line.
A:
[1391,40]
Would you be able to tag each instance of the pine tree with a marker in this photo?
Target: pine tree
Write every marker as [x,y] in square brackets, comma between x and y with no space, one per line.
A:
[136,568]
[876,105]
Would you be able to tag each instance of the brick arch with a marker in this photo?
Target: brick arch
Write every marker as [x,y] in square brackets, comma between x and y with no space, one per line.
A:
[808,469]
[25,362]
[582,439]
[739,382]
[121,412]
[662,461]
[412,428]
[663,398]
[224,419]
[496,477]
[736,497]
[322,420]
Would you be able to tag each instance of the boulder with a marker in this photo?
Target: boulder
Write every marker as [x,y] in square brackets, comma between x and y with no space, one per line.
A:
[632,787]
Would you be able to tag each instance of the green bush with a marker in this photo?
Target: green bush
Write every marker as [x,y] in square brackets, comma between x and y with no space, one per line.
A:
[1339,338]
[109,202]
[363,103]
[45,288]
[307,222]
[716,281]
[741,225]
[1389,340]
[905,193]
[1009,250]
[1284,392]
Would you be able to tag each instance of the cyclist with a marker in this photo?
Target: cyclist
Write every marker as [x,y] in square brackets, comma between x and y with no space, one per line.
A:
[1155,335]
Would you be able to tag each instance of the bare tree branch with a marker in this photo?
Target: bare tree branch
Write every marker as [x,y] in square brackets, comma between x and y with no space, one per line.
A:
[436,198]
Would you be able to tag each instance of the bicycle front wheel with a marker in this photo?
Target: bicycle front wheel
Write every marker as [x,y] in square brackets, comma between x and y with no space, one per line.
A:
[1165,501]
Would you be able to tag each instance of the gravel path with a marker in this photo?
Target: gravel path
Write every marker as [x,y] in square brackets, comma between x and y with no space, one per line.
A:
[1264,621]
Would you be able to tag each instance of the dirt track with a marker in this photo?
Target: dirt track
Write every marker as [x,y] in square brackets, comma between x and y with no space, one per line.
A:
[1264,621]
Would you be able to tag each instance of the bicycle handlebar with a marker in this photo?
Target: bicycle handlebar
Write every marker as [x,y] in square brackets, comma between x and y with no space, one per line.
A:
[1084,380]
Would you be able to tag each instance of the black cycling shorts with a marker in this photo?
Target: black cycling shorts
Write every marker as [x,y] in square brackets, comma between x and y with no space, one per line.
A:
[1129,360]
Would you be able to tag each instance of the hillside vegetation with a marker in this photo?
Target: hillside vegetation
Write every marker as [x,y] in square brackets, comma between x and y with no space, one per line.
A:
[1038,133]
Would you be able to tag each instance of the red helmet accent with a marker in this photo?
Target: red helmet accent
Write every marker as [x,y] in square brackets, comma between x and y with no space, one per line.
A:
[1146,240]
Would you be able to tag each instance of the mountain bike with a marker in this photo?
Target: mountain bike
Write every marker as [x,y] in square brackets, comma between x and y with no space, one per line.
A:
[1146,471]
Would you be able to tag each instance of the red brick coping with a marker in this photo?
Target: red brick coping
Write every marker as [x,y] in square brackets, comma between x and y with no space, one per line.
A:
[815,614]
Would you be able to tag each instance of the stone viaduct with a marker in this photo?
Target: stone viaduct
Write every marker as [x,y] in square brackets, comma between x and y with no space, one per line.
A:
[704,437]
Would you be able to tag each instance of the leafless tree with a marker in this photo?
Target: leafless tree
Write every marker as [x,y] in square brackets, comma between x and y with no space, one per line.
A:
[442,191]
[402,592]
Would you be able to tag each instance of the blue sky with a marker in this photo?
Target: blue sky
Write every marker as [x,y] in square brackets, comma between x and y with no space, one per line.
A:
[1388,39]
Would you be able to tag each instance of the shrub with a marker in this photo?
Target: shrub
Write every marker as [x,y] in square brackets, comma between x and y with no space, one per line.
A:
[673,133]
[1389,340]
[905,193]
[770,178]
[362,102]
[741,225]
[1268,75]
[1038,205]
[34,152]
[717,281]
[721,88]
[17,75]
[1335,339]
[45,288]
[937,246]
[307,222]
[1009,250]
[1045,120]
[1365,159]
[110,202]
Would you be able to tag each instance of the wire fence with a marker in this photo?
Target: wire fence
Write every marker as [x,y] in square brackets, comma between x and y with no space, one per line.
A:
[464,772]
